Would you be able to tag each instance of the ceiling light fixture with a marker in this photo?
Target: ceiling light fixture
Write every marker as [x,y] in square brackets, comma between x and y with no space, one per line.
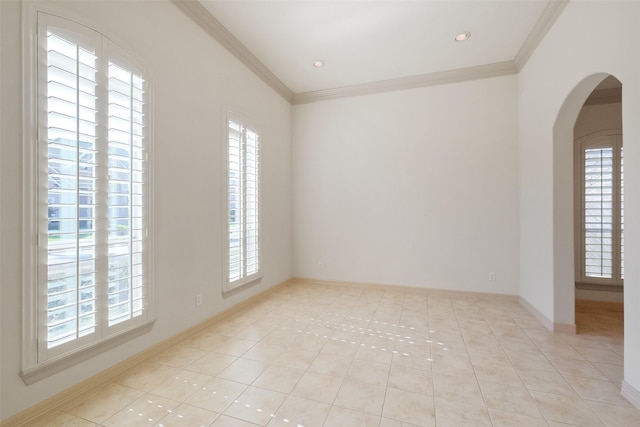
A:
[318,64]
[462,36]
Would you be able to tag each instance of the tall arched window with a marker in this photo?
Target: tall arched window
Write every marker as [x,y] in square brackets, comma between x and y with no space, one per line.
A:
[90,193]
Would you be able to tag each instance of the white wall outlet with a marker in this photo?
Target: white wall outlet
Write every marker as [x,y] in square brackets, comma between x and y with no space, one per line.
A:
[198,300]
[320,264]
[492,277]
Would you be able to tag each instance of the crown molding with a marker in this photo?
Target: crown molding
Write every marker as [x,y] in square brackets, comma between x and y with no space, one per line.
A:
[549,15]
[411,82]
[201,16]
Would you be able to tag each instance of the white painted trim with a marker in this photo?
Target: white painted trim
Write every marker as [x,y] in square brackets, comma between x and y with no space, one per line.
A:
[411,82]
[549,15]
[631,393]
[562,328]
[546,322]
[205,20]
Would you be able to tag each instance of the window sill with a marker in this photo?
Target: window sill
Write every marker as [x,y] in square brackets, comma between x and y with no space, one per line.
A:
[241,286]
[46,369]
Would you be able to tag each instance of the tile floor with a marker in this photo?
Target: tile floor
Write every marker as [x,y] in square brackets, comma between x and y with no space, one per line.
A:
[313,355]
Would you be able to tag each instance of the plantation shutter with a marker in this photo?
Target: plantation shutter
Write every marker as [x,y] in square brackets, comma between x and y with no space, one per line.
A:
[243,203]
[603,210]
[92,175]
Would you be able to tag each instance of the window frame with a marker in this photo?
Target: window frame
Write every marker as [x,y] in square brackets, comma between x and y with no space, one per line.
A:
[594,141]
[229,286]
[37,364]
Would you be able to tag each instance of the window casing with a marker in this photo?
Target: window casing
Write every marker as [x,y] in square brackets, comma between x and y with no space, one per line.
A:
[600,213]
[88,279]
[243,203]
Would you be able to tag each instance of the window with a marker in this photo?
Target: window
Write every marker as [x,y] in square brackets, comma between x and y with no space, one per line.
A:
[243,203]
[602,210]
[90,204]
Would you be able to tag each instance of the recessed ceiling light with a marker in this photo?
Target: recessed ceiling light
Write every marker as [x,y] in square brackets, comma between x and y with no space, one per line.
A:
[462,36]
[318,64]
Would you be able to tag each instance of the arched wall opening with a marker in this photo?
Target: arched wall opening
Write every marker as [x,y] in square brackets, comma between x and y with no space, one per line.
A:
[563,202]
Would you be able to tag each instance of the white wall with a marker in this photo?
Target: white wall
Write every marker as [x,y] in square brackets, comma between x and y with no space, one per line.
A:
[588,41]
[192,78]
[415,187]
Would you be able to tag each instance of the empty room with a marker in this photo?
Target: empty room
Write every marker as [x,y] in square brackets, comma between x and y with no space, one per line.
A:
[310,213]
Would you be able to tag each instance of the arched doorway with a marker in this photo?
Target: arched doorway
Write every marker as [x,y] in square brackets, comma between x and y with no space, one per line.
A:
[599,212]
[564,182]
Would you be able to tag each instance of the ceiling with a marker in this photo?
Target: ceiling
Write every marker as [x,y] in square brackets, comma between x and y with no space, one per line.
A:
[364,42]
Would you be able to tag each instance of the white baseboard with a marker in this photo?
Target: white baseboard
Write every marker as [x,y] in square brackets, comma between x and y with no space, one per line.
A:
[631,393]
[563,328]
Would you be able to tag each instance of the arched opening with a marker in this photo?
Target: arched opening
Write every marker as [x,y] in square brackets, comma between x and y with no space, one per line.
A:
[599,212]
[568,233]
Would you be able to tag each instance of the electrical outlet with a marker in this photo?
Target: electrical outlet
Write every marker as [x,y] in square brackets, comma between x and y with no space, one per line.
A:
[492,277]
[198,300]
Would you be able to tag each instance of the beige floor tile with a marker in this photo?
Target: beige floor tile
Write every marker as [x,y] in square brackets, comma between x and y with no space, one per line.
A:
[243,371]
[340,347]
[188,416]
[388,422]
[281,336]
[180,385]
[603,391]
[146,376]
[256,405]
[578,368]
[266,353]
[369,372]
[99,406]
[145,411]
[216,395]
[211,363]
[412,380]
[309,342]
[224,421]
[460,414]
[235,346]
[360,396]
[407,407]
[279,378]
[418,361]
[254,332]
[505,375]
[616,416]
[614,373]
[462,388]
[179,356]
[509,399]
[374,354]
[61,419]
[207,341]
[296,358]
[343,417]
[600,355]
[296,411]
[565,409]
[509,419]
[548,382]
[326,364]
[322,388]
[523,360]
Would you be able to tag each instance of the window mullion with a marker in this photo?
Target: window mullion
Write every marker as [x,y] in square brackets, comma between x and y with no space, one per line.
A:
[102,190]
